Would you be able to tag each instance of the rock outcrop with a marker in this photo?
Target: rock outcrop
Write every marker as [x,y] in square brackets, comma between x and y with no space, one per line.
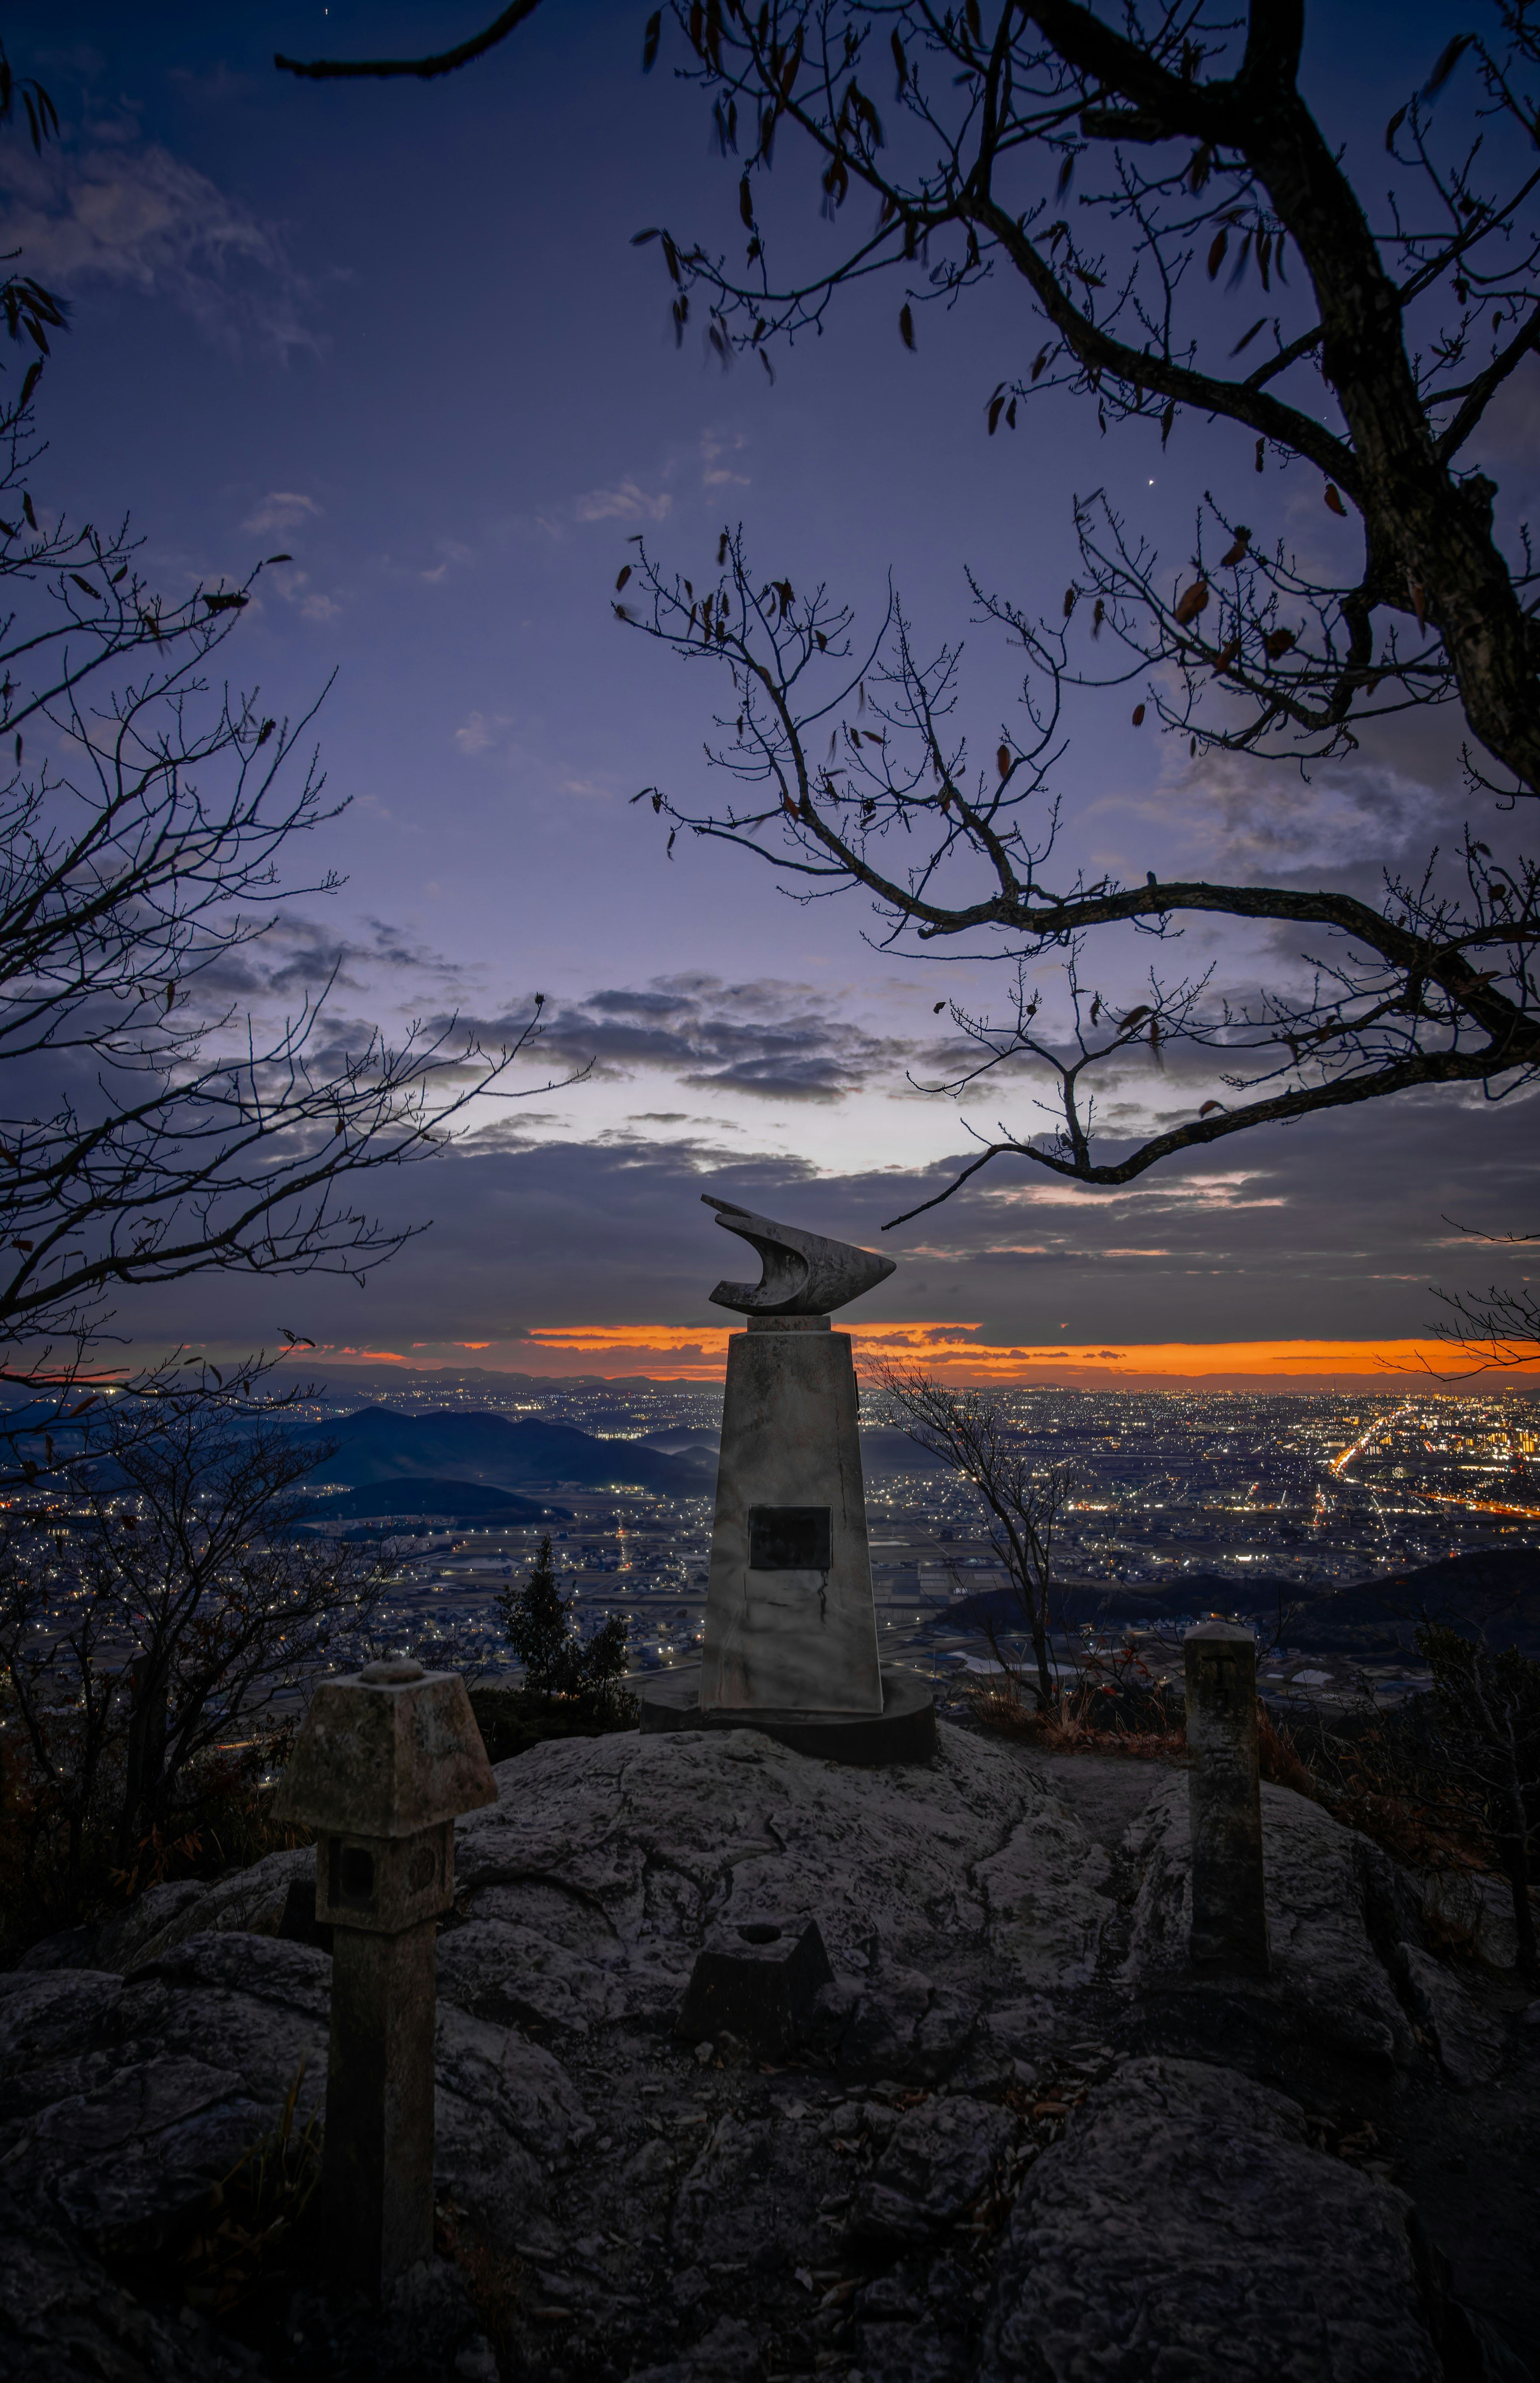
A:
[996,2158]
[1187,2226]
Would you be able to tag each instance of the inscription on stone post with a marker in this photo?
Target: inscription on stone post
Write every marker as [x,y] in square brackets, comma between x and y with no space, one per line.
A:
[1229,1909]
[383,1764]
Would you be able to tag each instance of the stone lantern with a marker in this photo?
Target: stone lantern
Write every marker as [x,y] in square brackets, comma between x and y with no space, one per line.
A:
[384,1761]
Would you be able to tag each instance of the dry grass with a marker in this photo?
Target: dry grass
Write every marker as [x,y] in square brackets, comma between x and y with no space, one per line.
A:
[223,1821]
[495,2279]
[250,2227]
[1368,1783]
[1357,1780]
[1374,1775]
[1406,1825]
[1280,1759]
[1085,1720]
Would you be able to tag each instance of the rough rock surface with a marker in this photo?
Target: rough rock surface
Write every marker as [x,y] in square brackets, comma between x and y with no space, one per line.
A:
[1471,2044]
[1469,1907]
[249,1900]
[61,2314]
[973,2165]
[1185,2227]
[1329,1891]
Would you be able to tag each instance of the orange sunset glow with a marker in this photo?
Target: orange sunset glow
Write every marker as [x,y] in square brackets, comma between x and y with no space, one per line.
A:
[953,1352]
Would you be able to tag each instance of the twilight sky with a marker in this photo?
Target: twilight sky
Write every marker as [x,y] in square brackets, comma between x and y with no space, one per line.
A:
[399,331]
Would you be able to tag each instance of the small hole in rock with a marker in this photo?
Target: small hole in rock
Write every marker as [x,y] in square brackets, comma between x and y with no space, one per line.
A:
[760,1934]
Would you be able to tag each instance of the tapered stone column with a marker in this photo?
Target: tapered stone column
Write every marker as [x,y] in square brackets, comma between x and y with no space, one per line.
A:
[1230,1908]
[789,1615]
[383,1764]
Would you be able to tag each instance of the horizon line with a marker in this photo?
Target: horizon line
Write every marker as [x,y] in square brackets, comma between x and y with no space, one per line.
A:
[686,1353]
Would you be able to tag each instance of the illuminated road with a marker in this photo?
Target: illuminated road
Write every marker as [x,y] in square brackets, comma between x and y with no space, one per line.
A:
[1476,1505]
[1371,1431]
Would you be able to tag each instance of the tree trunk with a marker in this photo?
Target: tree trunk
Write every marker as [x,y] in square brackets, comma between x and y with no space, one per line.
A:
[145,1766]
[74,1863]
[1438,529]
[1513,1853]
[1046,1676]
[1033,1602]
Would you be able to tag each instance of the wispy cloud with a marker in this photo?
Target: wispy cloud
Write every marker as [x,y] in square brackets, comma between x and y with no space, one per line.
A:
[297,954]
[626,502]
[144,220]
[477,734]
[279,511]
[714,473]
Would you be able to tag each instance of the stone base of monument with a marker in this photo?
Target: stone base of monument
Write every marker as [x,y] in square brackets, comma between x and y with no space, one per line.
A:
[905,1731]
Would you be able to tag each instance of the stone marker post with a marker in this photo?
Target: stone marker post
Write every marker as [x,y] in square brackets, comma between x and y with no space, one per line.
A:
[1229,1909]
[384,1762]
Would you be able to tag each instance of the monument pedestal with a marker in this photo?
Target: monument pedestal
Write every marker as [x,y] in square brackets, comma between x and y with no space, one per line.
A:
[790,1625]
[905,1731]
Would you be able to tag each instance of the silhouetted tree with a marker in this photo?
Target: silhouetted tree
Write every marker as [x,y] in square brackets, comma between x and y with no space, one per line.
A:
[1196,152]
[1488,1705]
[150,1127]
[1435,985]
[1191,150]
[556,1660]
[1024,1500]
[1212,154]
[161,1613]
[147,1128]
[1109,172]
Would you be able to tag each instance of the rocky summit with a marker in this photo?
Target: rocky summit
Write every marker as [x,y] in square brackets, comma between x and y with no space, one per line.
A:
[1014,2137]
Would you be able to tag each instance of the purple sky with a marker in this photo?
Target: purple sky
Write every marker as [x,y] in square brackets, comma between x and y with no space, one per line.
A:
[401,331]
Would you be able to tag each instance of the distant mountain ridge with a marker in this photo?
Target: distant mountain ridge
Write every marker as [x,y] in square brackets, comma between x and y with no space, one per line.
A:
[1495,1588]
[459,1501]
[447,1444]
[685,1439]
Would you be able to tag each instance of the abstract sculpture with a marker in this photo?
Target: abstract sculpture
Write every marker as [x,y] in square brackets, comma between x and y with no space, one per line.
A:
[804,1274]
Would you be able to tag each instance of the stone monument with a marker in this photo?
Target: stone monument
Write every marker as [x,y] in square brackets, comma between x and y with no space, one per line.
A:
[791,1630]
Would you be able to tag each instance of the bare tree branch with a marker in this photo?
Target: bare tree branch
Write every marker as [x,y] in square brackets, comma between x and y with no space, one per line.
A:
[1433,986]
[1496,1331]
[150,1128]
[1205,153]
[1024,1500]
[440,63]
[165,1611]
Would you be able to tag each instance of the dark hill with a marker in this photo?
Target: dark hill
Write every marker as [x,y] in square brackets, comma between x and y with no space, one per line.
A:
[696,1440]
[883,1450]
[446,1445]
[1496,1589]
[457,1501]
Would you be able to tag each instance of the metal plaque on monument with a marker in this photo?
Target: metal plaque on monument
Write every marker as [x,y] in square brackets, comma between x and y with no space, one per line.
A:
[791,1628]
